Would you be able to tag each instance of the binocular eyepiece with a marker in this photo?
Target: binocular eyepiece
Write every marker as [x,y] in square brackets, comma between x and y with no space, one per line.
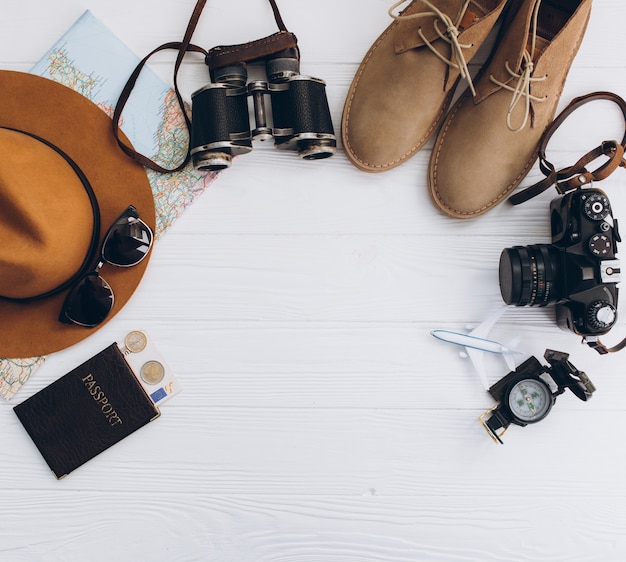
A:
[298,111]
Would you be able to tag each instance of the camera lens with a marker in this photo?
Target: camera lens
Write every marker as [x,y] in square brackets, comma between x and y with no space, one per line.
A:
[529,275]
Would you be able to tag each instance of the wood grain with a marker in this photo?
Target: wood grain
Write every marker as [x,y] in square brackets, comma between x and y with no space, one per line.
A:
[319,419]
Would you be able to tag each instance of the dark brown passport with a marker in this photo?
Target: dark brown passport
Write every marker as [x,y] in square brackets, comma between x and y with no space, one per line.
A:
[86,411]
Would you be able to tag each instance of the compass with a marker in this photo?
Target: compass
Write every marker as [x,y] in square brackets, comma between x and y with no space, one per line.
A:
[530,400]
[527,394]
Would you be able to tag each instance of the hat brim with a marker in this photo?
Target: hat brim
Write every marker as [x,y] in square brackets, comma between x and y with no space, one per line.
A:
[82,130]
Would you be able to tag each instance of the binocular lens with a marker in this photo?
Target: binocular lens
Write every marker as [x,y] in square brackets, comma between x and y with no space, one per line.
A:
[212,161]
[283,65]
[235,74]
[302,116]
[529,275]
[215,141]
[316,149]
[299,113]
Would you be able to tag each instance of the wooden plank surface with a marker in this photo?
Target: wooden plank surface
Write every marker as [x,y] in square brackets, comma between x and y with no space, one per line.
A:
[319,419]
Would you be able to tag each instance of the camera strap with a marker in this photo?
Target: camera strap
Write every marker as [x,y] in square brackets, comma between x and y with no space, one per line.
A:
[595,343]
[576,176]
[218,56]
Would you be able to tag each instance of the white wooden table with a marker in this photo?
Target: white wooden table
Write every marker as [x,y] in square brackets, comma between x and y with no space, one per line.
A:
[319,420]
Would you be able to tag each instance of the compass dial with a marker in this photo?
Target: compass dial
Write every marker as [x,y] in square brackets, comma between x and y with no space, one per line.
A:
[530,400]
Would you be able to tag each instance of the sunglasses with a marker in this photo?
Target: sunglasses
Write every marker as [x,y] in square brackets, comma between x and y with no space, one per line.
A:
[90,299]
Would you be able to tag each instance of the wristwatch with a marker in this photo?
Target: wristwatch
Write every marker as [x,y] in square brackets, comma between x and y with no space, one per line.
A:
[526,395]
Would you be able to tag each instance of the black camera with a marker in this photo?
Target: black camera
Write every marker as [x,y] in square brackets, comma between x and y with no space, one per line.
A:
[299,111]
[578,271]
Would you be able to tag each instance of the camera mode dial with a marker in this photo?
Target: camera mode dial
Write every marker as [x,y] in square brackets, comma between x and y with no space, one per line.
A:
[600,245]
[596,206]
[601,315]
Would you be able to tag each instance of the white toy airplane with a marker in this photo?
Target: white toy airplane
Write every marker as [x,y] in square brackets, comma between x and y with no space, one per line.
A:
[475,343]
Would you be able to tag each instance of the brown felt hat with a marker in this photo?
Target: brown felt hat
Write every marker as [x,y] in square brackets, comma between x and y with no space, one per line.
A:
[63,182]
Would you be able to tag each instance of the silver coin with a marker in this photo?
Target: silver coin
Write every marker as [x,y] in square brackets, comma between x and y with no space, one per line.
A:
[136,341]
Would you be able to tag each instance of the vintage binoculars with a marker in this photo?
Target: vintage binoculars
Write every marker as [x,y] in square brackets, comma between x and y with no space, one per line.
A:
[298,110]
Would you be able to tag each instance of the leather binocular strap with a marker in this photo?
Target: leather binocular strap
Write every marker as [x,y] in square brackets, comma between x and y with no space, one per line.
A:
[219,57]
[577,175]
[224,55]
[183,47]
[125,95]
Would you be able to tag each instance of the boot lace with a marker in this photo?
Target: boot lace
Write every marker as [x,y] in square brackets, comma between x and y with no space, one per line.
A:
[524,79]
[450,36]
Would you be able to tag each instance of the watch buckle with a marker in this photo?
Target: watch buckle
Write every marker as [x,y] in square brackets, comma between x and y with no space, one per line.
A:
[497,437]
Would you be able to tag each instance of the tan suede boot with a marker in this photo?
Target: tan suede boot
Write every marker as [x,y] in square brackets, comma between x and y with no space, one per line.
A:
[405,83]
[489,142]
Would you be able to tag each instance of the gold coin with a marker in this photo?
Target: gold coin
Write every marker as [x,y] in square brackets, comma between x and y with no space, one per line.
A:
[136,341]
[152,372]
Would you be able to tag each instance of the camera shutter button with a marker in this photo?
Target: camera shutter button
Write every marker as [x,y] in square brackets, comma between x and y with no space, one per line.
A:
[601,315]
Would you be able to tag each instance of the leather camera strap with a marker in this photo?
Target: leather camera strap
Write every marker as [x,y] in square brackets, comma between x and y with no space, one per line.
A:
[250,51]
[603,349]
[577,175]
